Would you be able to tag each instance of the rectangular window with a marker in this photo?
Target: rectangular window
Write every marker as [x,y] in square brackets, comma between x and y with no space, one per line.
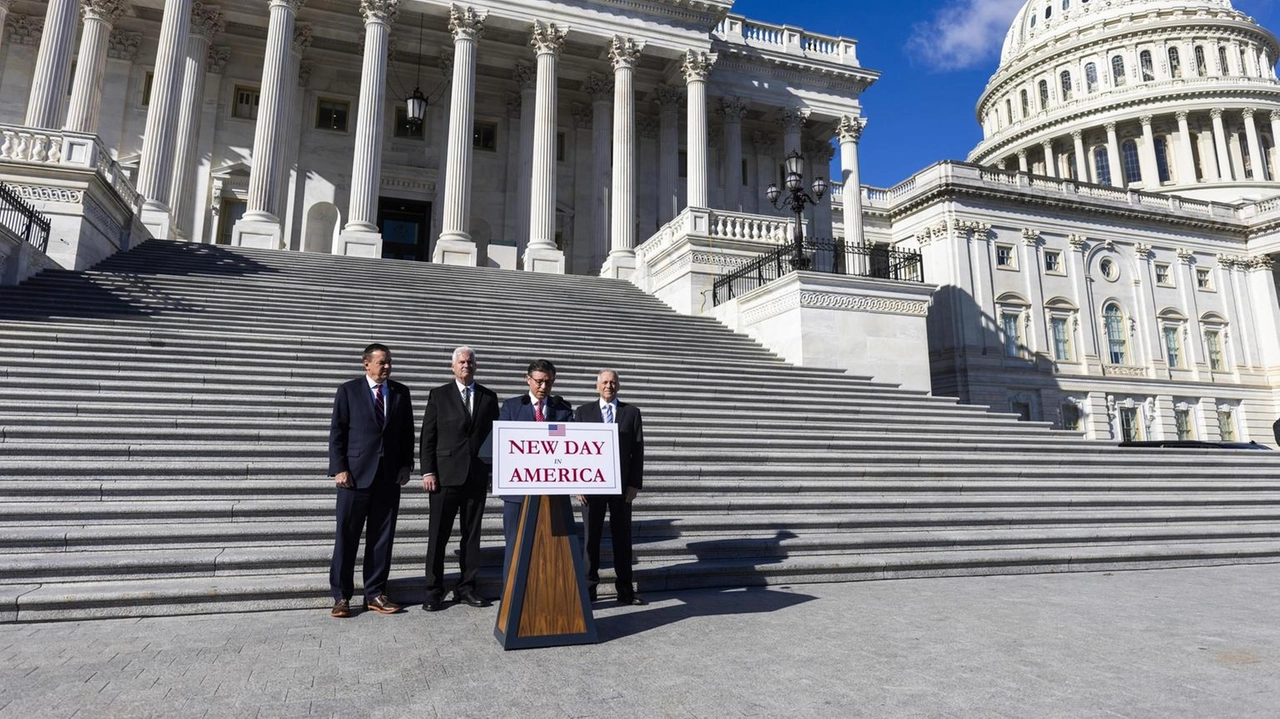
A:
[1061,338]
[1204,280]
[146,88]
[1130,430]
[744,172]
[246,106]
[1182,419]
[1009,322]
[1071,416]
[1172,350]
[1164,277]
[332,114]
[560,147]
[1227,424]
[1213,343]
[403,126]
[484,136]
[1053,262]
[1005,257]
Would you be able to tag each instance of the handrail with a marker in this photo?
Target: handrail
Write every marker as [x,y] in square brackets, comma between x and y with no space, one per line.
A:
[836,257]
[22,219]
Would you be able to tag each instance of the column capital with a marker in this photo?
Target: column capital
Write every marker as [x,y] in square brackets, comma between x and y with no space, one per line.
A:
[513,102]
[107,11]
[1110,127]
[215,60]
[647,126]
[732,109]
[1145,120]
[1077,135]
[850,128]
[624,52]
[1247,113]
[547,38]
[1077,242]
[697,65]
[820,152]
[668,96]
[466,23]
[446,62]
[1275,115]
[301,39]
[294,5]
[206,21]
[6,4]
[1181,115]
[123,45]
[1022,154]
[24,29]
[1261,262]
[525,75]
[794,118]
[581,115]
[1216,113]
[1143,250]
[383,11]
[1047,144]
[304,74]
[1186,256]
[599,86]
[762,140]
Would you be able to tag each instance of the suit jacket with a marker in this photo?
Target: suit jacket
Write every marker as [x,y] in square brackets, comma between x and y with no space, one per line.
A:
[630,439]
[357,442]
[451,438]
[520,409]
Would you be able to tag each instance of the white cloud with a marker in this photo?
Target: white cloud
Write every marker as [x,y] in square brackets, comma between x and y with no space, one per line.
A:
[963,34]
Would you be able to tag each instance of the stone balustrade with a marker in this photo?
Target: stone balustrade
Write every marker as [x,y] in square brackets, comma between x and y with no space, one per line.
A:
[23,144]
[786,39]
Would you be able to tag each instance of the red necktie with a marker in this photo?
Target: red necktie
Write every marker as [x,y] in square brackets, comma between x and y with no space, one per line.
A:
[537,413]
[379,407]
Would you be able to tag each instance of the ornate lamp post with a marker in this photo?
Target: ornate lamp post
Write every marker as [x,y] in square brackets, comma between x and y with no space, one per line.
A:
[796,199]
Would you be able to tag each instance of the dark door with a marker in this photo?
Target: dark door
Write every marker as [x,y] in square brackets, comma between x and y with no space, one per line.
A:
[405,227]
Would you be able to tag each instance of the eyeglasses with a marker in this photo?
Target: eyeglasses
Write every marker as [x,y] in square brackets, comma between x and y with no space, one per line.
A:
[548,380]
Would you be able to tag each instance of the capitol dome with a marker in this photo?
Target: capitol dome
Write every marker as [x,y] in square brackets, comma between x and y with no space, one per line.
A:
[1159,95]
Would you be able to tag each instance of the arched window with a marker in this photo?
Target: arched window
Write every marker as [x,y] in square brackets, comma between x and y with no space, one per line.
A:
[1175,63]
[1026,103]
[1091,78]
[1202,67]
[1117,71]
[1048,12]
[1222,61]
[1044,94]
[1129,162]
[1244,62]
[1008,110]
[1102,165]
[1162,159]
[1148,69]
[1266,156]
[1116,345]
[1065,81]
[1066,4]
[1245,155]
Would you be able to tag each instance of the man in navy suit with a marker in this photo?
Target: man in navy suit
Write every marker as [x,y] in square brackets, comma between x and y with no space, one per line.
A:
[609,410]
[458,419]
[370,458]
[539,405]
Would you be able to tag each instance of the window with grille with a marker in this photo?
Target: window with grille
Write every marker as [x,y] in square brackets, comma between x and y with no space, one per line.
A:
[1172,348]
[1227,424]
[1061,338]
[1116,343]
[1102,165]
[1130,429]
[1148,69]
[1129,161]
[246,106]
[1117,71]
[1005,257]
[332,114]
[1010,323]
[1090,78]
[1213,345]
[484,136]
[1044,94]
[1164,276]
[1162,159]
[1175,63]
[1204,280]
[1202,67]
[1064,82]
[1182,420]
[1053,262]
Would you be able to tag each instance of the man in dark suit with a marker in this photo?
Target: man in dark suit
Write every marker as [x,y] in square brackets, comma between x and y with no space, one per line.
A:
[370,458]
[539,405]
[458,418]
[609,410]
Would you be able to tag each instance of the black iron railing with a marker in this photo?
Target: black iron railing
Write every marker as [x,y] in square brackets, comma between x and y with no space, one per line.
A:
[835,257]
[22,219]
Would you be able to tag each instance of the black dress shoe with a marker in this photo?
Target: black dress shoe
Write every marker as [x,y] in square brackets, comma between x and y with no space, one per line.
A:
[469,598]
[433,604]
[631,601]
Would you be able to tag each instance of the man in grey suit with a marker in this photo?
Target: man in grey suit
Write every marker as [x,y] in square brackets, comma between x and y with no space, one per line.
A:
[609,410]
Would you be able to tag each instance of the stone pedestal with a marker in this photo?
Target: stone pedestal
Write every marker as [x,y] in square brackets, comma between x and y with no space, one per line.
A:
[454,251]
[358,243]
[619,265]
[257,230]
[544,259]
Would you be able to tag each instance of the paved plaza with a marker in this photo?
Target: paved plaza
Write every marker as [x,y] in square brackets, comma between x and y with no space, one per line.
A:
[1160,643]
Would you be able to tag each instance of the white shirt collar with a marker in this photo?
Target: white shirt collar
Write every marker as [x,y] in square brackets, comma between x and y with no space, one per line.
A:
[535,400]
[372,383]
[613,403]
[463,387]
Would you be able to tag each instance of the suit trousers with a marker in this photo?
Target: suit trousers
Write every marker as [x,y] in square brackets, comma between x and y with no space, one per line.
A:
[466,503]
[620,533]
[374,511]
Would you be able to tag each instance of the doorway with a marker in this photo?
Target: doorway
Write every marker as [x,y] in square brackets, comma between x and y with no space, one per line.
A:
[405,226]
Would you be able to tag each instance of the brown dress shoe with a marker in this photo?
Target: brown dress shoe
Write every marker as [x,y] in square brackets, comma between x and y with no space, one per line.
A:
[381,605]
[341,609]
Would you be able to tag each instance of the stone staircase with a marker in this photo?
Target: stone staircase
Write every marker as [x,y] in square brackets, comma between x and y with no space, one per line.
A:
[163,421]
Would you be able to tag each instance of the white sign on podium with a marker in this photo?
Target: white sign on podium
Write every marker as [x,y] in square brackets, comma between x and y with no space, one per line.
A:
[531,458]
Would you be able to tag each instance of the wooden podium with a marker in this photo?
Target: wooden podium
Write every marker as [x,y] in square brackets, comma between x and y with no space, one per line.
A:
[544,598]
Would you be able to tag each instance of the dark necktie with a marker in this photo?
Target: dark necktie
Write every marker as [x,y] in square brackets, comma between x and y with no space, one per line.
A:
[466,399]
[379,407]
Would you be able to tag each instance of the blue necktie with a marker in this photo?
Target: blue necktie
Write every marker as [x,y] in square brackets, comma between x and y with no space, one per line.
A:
[608,414]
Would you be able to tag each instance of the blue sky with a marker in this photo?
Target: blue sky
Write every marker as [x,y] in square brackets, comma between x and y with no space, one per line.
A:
[935,57]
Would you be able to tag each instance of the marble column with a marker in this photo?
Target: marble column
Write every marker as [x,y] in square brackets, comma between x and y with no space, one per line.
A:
[261,225]
[512,182]
[1082,159]
[793,121]
[668,98]
[647,166]
[1220,145]
[441,113]
[4,14]
[1186,154]
[361,236]
[600,88]
[202,229]
[91,63]
[732,109]
[455,246]
[122,53]
[1147,156]
[697,67]
[1275,143]
[542,255]
[526,76]
[155,166]
[1113,156]
[1050,162]
[292,98]
[819,154]
[1022,161]
[850,133]
[1256,160]
[53,65]
[206,22]
[624,53]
